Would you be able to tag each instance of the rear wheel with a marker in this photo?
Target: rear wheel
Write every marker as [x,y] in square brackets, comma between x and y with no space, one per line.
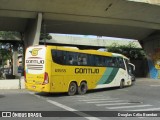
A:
[122,84]
[82,89]
[72,89]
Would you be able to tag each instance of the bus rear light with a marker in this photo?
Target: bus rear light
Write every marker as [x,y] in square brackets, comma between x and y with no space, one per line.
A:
[46,79]
[25,76]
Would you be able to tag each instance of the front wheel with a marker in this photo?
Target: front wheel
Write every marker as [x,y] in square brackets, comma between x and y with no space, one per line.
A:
[72,89]
[82,89]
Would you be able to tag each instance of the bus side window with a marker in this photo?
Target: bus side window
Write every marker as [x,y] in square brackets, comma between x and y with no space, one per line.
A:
[59,57]
[54,56]
[110,62]
[96,61]
[70,61]
[72,58]
[82,59]
[121,63]
[101,61]
[91,60]
[114,62]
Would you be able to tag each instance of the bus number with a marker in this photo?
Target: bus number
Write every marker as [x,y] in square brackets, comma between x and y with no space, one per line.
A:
[60,70]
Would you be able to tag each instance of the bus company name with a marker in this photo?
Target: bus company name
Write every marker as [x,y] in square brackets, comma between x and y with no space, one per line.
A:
[35,61]
[86,71]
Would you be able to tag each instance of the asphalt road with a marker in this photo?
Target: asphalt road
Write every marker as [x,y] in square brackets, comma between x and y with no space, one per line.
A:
[95,105]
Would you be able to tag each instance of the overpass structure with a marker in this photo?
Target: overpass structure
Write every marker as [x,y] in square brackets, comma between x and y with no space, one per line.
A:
[88,42]
[114,18]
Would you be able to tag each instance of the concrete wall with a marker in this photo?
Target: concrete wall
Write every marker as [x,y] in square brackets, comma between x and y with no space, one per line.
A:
[141,68]
[152,47]
[32,32]
[89,40]
[12,84]
[151,44]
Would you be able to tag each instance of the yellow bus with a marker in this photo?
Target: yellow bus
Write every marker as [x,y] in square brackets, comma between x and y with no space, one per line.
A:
[60,69]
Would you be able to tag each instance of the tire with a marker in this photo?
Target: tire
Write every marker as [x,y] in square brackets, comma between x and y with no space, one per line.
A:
[82,89]
[122,84]
[133,83]
[72,89]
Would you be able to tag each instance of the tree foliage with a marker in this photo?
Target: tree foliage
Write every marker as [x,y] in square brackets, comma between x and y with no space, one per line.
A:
[5,53]
[45,36]
[9,35]
[12,35]
[129,50]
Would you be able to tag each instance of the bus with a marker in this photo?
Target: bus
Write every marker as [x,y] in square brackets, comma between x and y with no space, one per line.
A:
[58,69]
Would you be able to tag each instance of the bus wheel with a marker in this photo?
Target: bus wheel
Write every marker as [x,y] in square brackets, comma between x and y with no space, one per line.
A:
[82,89]
[122,84]
[72,89]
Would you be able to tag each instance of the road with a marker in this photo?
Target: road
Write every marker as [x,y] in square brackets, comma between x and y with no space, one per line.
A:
[143,96]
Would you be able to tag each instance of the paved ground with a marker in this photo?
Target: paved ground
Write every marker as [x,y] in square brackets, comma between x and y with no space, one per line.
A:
[143,96]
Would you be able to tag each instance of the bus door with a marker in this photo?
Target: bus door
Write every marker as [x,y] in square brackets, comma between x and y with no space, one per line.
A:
[122,67]
[130,70]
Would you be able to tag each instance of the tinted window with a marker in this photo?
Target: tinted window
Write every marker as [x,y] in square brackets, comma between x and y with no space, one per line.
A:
[82,59]
[59,57]
[120,63]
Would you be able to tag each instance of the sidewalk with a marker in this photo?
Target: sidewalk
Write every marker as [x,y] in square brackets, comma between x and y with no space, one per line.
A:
[20,83]
[147,79]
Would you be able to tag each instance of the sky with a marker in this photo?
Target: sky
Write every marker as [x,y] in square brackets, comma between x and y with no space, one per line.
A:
[93,36]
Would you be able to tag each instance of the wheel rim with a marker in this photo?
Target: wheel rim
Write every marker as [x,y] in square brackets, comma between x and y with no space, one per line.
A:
[72,89]
[83,88]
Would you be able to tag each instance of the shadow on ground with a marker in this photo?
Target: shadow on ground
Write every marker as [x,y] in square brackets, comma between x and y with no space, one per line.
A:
[65,94]
[1,96]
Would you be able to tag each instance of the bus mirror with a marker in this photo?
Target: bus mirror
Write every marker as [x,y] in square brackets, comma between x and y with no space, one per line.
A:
[133,66]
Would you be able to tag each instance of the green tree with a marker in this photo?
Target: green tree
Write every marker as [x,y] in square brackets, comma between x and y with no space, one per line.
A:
[5,53]
[129,50]
[46,36]
[9,35]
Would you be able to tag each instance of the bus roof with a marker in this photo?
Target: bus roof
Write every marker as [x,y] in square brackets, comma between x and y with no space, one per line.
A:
[87,51]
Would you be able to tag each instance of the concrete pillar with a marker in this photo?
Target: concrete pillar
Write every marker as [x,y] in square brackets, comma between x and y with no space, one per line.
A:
[15,60]
[152,47]
[32,33]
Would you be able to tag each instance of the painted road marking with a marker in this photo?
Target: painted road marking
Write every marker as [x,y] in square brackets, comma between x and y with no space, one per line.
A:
[72,110]
[90,95]
[122,90]
[98,99]
[66,108]
[155,85]
[149,109]
[113,104]
[124,107]
[87,97]
[112,101]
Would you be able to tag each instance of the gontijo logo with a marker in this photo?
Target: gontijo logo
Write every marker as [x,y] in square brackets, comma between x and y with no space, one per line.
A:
[34,52]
